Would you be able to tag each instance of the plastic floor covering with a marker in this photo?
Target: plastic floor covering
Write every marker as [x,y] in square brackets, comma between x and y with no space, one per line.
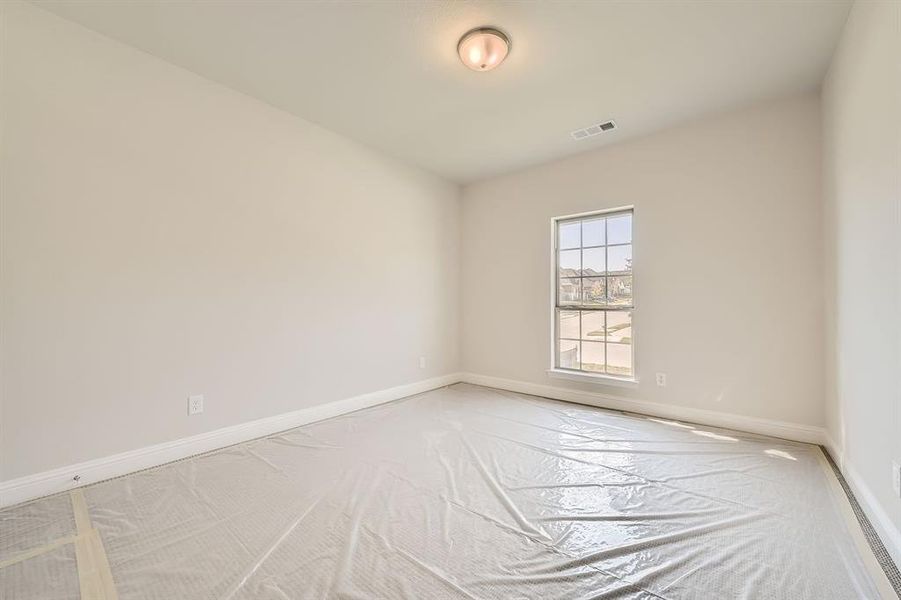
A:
[462,492]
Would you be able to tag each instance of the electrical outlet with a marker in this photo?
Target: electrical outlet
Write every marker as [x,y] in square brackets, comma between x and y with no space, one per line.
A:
[661,379]
[422,362]
[896,477]
[195,405]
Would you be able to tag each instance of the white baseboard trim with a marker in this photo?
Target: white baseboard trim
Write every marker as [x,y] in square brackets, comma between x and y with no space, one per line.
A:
[61,479]
[882,523]
[41,484]
[835,451]
[879,519]
[781,429]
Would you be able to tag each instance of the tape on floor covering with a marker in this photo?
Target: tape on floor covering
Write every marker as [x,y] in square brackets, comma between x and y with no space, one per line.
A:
[38,551]
[94,576]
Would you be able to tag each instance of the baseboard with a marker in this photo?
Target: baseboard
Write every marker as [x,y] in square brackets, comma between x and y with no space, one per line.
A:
[879,519]
[835,451]
[790,431]
[57,480]
[882,523]
[41,484]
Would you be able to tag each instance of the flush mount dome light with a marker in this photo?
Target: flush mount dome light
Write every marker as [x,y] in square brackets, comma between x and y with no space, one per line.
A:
[483,48]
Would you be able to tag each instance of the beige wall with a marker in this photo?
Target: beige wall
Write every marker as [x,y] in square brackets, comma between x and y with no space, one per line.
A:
[728,261]
[165,236]
[862,174]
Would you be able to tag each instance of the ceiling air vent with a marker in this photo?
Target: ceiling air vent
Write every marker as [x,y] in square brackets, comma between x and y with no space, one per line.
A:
[592,130]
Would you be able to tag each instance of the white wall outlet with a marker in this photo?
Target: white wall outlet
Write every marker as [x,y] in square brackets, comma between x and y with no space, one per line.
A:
[195,405]
[422,362]
[661,379]
[896,477]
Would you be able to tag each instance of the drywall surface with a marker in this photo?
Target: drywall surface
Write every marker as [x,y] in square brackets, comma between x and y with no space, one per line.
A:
[165,236]
[862,175]
[727,261]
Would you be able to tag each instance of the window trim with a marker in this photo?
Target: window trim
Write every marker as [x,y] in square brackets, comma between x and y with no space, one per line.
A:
[596,378]
[587,376]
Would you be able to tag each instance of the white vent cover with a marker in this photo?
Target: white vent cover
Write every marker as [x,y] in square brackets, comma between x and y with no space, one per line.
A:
[592,130]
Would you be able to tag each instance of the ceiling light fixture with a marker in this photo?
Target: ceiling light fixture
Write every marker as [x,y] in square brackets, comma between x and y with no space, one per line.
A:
[483,48]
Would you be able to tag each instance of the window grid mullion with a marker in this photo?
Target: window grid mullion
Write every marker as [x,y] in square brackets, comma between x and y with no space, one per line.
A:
[581,286]
[605,341]
[606,286]
[580,341]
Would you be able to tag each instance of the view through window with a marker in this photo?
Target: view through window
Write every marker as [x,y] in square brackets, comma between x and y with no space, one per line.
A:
[593,308]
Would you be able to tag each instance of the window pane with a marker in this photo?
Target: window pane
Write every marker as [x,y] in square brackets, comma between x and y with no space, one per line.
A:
[594,291]
[619,326]
[619,290]
[569,354]
[570,263]
[593,325]
[569,235]
[594,261]
[568,324]
[594,258]
[593,233]
[619,259]
[619,359]
[619,230]
[570,292]
[593,356]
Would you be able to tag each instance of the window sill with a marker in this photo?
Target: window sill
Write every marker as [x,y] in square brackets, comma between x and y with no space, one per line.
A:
[592,378]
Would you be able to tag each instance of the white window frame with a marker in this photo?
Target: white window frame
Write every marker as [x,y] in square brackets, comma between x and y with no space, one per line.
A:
[578,375]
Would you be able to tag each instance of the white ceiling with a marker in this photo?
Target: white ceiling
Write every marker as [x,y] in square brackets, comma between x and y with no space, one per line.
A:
[386,73]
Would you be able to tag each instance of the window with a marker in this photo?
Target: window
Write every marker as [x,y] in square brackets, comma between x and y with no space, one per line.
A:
[593,306]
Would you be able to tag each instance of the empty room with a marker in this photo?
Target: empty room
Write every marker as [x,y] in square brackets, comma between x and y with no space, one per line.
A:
[423,299]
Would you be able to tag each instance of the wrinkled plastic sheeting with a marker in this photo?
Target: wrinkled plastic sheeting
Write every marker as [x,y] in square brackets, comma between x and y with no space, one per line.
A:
[465,492]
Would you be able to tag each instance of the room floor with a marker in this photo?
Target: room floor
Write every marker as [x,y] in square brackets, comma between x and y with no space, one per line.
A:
[462,492]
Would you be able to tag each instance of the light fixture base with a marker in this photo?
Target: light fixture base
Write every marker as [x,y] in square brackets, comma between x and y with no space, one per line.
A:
[483,48]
